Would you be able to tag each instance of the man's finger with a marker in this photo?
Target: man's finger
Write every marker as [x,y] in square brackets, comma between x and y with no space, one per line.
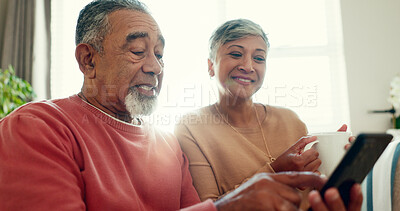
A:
[356,197]
[333,200]
[282,204]
[278,188]
[283,197]
[316,201]
[266,182]
[299,179]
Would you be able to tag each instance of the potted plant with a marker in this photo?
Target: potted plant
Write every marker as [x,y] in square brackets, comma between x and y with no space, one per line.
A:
[14,91]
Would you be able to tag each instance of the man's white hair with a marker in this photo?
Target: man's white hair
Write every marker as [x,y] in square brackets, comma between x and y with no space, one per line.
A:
[138,104]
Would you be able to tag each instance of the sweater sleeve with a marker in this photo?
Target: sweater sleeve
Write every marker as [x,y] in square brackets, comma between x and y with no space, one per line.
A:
[37,169]
[207,205]
[203,177]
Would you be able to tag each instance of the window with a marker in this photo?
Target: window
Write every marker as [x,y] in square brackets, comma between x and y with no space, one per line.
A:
[66,78]
[305,69]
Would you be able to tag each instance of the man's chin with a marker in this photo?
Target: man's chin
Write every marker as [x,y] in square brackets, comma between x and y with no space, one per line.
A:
[138,104]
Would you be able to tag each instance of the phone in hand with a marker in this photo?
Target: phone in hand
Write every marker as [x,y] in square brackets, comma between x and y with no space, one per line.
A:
[357,163]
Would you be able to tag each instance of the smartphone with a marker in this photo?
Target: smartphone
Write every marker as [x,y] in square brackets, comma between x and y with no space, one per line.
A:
[357,163]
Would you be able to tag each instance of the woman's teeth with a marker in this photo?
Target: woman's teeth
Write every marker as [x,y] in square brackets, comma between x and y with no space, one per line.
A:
[243,79]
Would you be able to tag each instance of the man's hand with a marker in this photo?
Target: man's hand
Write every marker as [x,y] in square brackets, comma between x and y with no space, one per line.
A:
[270,192]
[278,192]
[334,202]
[295,159]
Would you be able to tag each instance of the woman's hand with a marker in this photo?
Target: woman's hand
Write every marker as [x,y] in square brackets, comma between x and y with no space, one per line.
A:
[351,138]
[295,159]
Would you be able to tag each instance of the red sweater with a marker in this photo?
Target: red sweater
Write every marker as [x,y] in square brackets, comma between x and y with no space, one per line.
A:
[67,155]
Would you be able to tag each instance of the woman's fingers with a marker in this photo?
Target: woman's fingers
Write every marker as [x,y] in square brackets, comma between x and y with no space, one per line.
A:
[351,140]
[343,128]
[311,162]
[313,166]
[301,143]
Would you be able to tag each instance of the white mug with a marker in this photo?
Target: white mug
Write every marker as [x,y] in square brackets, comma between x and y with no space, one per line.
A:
[330,146]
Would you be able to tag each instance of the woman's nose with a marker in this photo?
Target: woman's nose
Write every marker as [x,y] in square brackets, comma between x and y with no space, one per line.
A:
[246,65]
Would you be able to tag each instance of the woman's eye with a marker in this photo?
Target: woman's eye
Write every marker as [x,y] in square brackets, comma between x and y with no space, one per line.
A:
[235,54]
[259,59]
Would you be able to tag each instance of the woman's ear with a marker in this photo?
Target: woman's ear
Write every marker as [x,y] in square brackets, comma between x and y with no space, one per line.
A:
[84,54]
[210,68]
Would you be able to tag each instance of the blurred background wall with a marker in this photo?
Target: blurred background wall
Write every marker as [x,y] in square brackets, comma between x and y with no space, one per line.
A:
[371,32]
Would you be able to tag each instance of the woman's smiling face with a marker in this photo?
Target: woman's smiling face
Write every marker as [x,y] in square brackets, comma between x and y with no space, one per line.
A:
[239,67]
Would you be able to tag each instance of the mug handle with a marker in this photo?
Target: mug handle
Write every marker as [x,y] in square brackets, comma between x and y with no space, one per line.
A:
[308,146]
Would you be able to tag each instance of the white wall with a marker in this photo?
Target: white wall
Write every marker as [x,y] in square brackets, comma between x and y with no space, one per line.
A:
[371,33]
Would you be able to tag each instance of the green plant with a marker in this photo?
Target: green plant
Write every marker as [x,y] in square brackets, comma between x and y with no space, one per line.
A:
[14,91]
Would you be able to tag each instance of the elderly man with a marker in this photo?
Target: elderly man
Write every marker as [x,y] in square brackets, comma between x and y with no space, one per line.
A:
[92,151]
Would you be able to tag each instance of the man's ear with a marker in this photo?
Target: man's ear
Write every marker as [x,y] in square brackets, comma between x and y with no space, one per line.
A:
[210,68]
[84,54]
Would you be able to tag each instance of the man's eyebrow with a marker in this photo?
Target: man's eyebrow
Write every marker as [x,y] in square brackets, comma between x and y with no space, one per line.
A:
[136,35]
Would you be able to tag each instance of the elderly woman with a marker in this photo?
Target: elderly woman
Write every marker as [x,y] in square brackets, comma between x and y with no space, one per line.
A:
[230,141]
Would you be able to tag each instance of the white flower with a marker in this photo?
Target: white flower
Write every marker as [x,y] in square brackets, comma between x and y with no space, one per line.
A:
[394,93]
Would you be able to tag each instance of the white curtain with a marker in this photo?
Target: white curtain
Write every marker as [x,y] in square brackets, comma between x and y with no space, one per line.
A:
[41,50]
[17,39]
[25,41]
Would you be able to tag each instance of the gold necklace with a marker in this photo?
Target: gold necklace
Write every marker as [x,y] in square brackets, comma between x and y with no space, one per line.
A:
[272,159]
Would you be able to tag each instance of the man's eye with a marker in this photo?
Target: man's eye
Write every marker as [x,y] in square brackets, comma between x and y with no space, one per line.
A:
[138,53]
[159,56]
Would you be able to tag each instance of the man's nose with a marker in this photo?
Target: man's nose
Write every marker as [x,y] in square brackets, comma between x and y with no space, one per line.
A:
[153,65]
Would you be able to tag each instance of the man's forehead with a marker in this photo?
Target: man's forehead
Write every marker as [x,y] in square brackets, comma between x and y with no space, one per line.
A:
[137,24]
